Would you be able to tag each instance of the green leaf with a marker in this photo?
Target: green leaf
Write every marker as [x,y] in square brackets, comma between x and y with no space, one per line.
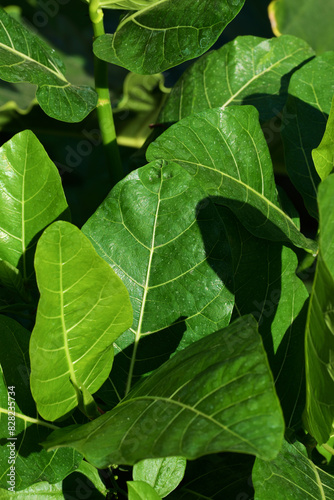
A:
[216,395]
[139,490]
[26,58]
[42,490]
[32,463]
[291,476]
[83,308]
[173,255]
[319,340]
[165,33]
[323,155]
[163,474]
[11,278]
[227,153]
[248,70]
[311,91]
[308,20]
[125,4]
[31,198]
[93,475]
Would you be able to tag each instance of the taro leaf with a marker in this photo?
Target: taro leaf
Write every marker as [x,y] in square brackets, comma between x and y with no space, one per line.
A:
[319,340]
[83,308]
[31,198]
[163,474]
[249,70]
[311,90]
[32,463]
[215,395]
[172,254]
[139,490]
[227,153]
[166,33]
[323,155]
[26,58]
[308,20]
[291,476]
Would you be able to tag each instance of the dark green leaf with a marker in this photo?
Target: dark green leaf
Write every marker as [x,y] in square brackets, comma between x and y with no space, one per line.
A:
[163,474]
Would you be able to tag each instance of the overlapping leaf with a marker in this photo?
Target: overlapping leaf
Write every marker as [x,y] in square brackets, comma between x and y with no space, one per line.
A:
[83,308]
[249,70]
[32,463]
[323,155]
[166,33]
[31,198]
[215,395]
[172,253]
[291,476]
[26,58]
[226,152]
[319,341]
[139,490]
[163,474]
[311,90]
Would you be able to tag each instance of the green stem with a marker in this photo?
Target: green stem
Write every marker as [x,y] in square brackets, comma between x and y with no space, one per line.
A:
[104,109]
[328,448]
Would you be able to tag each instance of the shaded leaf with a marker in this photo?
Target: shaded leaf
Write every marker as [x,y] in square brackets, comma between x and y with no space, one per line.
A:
[215,395]
[31,198]
[139,490]
[26,58]
[248,70]
[165,34]
[323,155]
[83,308]
[163,474]
[11,278]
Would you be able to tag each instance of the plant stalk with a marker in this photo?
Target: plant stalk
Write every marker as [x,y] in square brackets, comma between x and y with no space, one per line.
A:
[104,109]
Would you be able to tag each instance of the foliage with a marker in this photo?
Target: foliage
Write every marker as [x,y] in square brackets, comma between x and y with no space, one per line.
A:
[166,317]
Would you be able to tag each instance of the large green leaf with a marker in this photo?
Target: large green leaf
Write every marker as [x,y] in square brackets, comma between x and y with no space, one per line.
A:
[225,150]
[166,33]
[319,341]
[311,90]
[291,476]
[32,463]
[31,198]
[26,58]
[215,395]
[83,308]
[163,474]
[249,70]
[323,155]
[309,20]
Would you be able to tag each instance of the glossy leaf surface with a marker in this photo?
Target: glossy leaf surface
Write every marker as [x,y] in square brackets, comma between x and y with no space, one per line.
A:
[215,395]
[163,474]
[249,70]
[166,33]
[83,308]
[26,58]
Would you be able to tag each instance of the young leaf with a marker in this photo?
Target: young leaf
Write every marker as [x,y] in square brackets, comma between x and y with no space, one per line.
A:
[227,153]
[139,490]
[323,155]
[166,33]
[32,463]
[163,474]
[311,91]
[26,58]
[83,308]
[31,198]
[216,395]
[248,70]
[319,340]
[291,476]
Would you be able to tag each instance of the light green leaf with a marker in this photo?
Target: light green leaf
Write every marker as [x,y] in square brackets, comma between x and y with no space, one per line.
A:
[308,20]
[26,58]
[249,70]
[125,4]
[319,340]
[291,476]
[31,198]
[93,475]
[83,308]
[323,155]
[311,90]
[163,474]
[166,33]
[42,490]
[173,256]
[227,153]
[215,395]
[32,463]
[139,490]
